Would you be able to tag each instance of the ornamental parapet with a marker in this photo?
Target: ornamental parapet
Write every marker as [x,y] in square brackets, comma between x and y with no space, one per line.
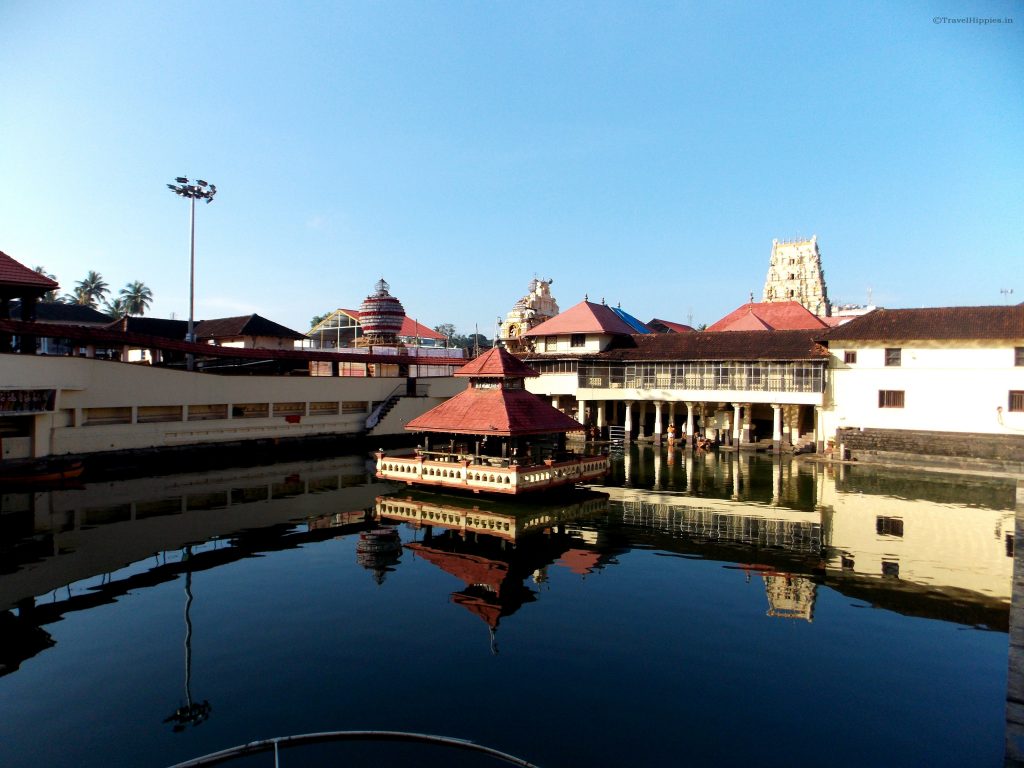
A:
[490,474]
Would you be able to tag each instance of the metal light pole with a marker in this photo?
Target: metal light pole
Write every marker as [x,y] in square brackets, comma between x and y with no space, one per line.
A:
[200,189]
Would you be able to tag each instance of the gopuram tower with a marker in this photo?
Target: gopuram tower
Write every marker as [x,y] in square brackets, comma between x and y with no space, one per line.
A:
[527,313]
[795,274]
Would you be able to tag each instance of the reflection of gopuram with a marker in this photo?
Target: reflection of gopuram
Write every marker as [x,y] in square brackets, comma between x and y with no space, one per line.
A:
[789,596]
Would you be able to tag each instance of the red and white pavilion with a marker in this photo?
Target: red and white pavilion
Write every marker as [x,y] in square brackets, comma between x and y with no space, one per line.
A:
[495,437]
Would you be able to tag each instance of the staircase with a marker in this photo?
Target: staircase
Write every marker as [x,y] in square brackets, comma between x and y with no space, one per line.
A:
[384,408]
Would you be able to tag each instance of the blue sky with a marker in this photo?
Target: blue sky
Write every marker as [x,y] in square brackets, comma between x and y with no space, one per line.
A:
[641,152]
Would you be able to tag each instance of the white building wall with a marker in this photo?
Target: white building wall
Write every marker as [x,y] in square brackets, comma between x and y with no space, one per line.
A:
[83,384]
[948,387]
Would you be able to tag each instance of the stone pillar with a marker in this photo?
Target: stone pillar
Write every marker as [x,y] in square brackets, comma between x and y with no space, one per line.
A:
[657,422]
[819,430]
[776,427]
[745,436]
[736,424]
[794,424]
[672,414]
[641,420]
[689,423]
[581,412]
[627,426]
[599,420]
[1014,753]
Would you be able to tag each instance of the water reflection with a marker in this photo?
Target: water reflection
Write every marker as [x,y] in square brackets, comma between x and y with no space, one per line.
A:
[798,532]
[494,547]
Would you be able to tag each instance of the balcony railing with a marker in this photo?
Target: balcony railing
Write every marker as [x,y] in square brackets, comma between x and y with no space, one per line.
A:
[748,377]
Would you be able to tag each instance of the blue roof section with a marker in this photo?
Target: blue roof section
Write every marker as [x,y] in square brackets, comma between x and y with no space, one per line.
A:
[631,321]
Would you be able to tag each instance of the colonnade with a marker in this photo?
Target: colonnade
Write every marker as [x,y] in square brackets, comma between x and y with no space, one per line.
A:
[736,430]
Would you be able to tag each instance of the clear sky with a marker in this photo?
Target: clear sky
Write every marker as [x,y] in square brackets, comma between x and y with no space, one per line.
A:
[642,152]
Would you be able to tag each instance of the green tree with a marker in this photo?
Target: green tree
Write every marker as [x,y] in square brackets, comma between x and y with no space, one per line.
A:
[50,297]
[136,298]
[117,308]
[90,291]
[317,319]
[445,329]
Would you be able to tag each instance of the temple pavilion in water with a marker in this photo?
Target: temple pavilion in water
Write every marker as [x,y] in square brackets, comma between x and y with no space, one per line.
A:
[494,436]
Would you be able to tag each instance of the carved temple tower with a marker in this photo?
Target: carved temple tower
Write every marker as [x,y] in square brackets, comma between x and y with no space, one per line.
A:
[529,312]
[795,274]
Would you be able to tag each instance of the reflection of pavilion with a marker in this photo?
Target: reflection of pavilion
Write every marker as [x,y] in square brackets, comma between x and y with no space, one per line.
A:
[494,547]
[504,520]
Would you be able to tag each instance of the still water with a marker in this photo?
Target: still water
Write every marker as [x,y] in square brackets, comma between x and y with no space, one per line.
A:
[701,610]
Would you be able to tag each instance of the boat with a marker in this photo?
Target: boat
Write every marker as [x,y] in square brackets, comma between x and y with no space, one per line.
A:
[493,437]
[39,472]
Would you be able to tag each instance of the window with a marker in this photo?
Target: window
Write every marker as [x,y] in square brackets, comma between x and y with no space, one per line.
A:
[889,526]
[1017,400]
[893,356]
[550,343]
[1018,355]
[850,356]
[890,398]
[578,340]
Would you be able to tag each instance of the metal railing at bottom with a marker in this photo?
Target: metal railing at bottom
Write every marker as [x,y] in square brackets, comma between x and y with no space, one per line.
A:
[276,744]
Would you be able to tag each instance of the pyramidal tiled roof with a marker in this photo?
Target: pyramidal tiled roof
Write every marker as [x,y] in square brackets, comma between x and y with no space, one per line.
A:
[771,316]
[494,411]
[497,363]
[585,317]
[14,273]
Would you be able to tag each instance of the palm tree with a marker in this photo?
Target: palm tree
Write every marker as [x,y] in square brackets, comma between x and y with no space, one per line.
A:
[136,297]
[50,297]
[89,291]
[117,308]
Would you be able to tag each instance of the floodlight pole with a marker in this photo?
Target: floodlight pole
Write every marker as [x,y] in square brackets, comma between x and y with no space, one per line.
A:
[191,336]
[205,191]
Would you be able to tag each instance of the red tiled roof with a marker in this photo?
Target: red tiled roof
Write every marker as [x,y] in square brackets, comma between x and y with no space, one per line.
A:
[669,326]
[712,345]
[769,315]
[497,411]
[935,323]
[585,317]
[14,273]
[497,363]
[410,329]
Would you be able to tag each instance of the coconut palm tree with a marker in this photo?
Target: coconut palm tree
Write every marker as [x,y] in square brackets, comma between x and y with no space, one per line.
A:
[50,297]
[90,291]
[136,297]
[117,308]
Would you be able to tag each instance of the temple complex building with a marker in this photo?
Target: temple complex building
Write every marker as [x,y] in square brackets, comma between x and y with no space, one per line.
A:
[795,274]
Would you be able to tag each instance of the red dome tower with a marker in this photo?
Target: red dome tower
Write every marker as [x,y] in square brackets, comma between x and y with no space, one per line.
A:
[381,316]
